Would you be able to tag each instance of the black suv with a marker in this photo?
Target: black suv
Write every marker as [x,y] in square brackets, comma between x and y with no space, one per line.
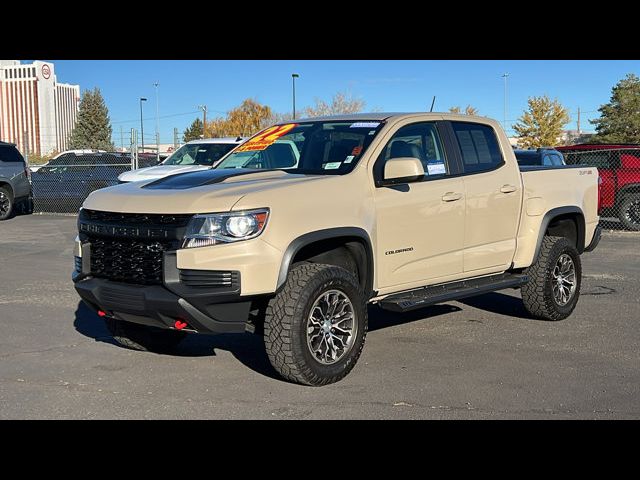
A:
[15,182]
[540,157]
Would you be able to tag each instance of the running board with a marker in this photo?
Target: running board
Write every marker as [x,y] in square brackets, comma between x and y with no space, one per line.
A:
[425,296]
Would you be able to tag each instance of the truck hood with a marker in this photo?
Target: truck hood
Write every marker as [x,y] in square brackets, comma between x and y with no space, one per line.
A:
[159,171]
[205,191]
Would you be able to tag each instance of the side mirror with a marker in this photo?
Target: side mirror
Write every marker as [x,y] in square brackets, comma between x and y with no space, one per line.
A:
[402,170]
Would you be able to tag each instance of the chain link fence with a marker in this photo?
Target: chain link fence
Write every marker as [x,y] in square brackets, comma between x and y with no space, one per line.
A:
[619,169]
[62,185]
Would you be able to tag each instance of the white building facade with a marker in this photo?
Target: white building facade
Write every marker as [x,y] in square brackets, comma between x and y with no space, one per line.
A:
[36,112]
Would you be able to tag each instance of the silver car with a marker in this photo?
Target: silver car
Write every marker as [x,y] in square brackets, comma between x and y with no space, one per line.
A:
[15,182]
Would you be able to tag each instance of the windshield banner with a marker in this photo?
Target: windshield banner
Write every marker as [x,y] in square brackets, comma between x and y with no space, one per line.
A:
[266,138]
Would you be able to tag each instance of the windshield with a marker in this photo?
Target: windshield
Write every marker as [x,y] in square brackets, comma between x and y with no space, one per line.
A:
[322,148]
[199,154]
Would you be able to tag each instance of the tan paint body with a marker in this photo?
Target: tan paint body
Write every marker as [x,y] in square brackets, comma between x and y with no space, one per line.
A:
[482,232]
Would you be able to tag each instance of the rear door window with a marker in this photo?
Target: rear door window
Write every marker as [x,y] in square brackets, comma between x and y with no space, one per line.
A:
[478,146]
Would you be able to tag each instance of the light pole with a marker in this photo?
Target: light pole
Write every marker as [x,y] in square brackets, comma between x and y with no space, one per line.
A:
[293,79]
[142,124]
[204,118]
[157,124]
[504,123]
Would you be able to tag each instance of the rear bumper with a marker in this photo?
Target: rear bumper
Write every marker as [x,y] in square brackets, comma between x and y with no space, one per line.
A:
[595,240]
[157,306]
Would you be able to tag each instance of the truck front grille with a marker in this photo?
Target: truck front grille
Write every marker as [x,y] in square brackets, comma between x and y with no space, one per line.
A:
[129,261]
[127,247]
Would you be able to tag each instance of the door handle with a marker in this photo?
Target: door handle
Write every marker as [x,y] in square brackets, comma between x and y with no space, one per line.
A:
[508,189]
[451,197]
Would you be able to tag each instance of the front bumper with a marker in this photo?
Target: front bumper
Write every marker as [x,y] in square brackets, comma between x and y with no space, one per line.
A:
[157,306]
[595,240]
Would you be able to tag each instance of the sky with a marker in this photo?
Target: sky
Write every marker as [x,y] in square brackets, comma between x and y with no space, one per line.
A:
[385,85]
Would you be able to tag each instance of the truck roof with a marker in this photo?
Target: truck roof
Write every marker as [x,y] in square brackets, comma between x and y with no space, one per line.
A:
[218,140]
[380,116]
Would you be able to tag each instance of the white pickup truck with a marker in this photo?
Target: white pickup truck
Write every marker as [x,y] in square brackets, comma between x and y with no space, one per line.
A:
[193,156]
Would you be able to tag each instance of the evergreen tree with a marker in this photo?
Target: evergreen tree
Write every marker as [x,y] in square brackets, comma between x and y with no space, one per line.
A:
[93,128]
[619,120]
[541,125]
[194,132]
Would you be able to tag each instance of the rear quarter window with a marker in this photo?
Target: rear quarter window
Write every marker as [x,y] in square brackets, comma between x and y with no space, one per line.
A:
[478,146]
[10,155]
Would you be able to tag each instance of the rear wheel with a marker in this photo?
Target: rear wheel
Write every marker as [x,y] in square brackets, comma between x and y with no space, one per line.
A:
[143,338]
[629,212]
[554,286]
[6,203]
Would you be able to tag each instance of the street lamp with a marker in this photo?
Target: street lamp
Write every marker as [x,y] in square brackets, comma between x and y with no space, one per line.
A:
[157,124]
[204,118]
[504,123]
[293,79]
[141,123]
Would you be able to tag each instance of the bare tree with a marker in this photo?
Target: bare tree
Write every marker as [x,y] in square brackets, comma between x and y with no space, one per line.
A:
[340,103]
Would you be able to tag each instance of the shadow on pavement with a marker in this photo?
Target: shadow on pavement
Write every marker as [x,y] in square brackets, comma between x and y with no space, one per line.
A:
[247,348]
[499,303]
[379,318]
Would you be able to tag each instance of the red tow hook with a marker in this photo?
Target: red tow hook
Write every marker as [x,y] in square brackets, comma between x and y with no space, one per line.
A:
[179,325]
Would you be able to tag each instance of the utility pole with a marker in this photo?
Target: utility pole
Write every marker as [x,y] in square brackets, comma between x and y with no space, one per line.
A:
[157,124]
[175,139]
[142,124]
[293,79]
[204,118]
[121,138]
[26,148]
[504,123]
[579,132]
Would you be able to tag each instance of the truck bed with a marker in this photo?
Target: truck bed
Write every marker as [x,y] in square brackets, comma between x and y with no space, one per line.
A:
[546,187]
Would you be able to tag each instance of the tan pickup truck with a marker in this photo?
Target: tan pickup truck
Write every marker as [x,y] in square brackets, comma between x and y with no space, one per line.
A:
[296,230]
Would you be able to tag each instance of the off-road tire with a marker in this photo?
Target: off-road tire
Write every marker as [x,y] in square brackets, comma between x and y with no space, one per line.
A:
[626,216]
[7,199]
[285,324]
[537,294]
[143,338]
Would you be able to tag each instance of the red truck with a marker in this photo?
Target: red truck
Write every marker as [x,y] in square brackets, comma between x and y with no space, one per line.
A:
[619,169]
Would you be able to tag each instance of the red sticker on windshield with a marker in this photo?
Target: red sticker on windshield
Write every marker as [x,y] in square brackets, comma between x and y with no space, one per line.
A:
[266,138]
[356,150]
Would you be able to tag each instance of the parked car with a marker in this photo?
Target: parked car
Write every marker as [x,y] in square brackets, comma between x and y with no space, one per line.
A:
[545,157]
[402,210]
[619,169]
[62,184]
[191,157]
[62,157]
[15,182]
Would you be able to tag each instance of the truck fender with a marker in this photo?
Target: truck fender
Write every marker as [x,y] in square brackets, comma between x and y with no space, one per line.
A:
[308,238]
[554,213]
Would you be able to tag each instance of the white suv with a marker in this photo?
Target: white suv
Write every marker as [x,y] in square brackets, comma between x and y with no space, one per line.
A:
[191,157]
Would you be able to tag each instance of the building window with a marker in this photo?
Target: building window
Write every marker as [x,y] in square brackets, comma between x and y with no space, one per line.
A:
[33,72]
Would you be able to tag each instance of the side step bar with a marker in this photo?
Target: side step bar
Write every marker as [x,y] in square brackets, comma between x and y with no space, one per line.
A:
[425,296]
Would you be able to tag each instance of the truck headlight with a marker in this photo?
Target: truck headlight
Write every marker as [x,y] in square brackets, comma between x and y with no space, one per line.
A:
[215,228]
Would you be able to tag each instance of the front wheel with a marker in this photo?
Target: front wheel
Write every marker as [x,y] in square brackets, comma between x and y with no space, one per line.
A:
[315,327]
[143,338]
[554,286]
[6,204]
[630,212]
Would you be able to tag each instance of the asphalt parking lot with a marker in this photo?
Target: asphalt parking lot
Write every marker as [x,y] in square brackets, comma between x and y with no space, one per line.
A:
[483,358]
